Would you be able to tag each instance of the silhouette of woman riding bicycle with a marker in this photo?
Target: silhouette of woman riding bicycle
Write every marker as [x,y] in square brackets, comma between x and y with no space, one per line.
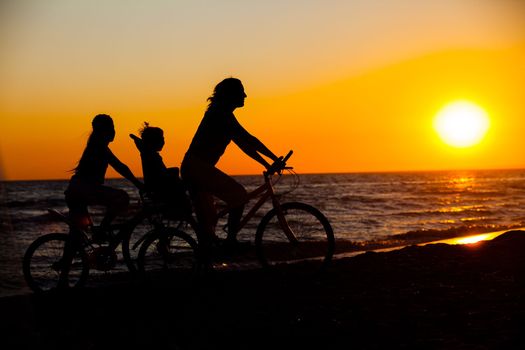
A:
[217,129]
[288,232]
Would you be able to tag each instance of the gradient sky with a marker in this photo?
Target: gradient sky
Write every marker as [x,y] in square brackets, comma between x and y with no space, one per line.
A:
[348,85]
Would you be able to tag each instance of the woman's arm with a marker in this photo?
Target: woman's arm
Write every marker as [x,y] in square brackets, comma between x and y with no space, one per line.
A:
[251,145]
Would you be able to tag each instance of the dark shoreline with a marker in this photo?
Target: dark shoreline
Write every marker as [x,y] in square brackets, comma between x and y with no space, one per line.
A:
[436,296]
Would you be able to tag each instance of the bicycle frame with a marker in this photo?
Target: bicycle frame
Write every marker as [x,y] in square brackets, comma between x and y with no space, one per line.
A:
[122,229]
[267,192]
[148,212]
[127,227]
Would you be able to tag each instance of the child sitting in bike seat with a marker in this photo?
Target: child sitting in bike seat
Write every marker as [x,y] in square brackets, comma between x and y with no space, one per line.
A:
[162,183]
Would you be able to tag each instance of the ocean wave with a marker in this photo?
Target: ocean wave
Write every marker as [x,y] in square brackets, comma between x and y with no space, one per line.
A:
[38,203]
[454,211]
[488,194]
[360,199]
[425,235]
[514,205]
[43,218]
[420,236]
[462,192]
[478,219]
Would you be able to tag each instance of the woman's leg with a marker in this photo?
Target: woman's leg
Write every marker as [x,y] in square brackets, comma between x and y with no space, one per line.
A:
[205,178]
[206,216]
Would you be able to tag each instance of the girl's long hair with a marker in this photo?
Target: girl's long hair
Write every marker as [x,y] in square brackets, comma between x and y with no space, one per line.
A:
[100,123]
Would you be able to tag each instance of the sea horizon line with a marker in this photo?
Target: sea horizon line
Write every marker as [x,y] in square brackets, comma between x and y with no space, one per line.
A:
[306,173]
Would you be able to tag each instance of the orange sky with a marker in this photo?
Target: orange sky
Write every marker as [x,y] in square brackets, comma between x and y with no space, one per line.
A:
[348,87]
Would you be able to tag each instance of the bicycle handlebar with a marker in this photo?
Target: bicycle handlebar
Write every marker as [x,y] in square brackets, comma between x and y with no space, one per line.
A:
[287,157]
[279,165]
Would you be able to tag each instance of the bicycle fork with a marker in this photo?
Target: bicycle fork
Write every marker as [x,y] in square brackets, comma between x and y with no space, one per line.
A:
[284,223]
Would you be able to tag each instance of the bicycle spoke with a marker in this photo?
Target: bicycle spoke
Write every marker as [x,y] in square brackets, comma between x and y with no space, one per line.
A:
[43,262]
[312,232]
[167,251]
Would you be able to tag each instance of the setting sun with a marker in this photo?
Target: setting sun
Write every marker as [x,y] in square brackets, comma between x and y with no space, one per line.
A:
[461,124]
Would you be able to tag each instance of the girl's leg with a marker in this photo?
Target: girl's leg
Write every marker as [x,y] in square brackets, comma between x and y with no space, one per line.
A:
[115,200]
[80,220]
[80,195]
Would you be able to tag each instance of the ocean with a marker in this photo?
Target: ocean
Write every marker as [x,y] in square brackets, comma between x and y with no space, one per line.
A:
[363,208]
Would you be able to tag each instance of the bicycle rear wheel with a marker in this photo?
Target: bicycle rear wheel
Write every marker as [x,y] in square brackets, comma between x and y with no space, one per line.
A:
[315,243]
[166,252]
[42,263]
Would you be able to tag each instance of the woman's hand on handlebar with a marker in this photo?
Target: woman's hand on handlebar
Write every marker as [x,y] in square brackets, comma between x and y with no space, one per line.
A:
[278,165]
[275,167]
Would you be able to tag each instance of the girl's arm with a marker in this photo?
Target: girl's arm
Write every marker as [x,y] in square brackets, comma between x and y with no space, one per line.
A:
[123,170]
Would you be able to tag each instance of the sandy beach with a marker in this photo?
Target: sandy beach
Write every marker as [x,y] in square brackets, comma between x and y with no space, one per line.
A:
[437,296]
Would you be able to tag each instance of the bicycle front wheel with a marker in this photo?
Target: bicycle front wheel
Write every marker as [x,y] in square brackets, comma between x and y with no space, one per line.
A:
[165,252]
[314,241]
[43,262]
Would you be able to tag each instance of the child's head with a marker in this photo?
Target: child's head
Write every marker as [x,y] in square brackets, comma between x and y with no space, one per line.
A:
[152,137]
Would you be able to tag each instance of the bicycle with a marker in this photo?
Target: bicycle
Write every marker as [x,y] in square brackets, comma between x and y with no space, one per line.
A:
[43,261]
[289,232]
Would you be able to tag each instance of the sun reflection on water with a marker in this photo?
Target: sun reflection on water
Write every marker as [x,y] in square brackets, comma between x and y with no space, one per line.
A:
[471,239]
[455,202]
[461,182]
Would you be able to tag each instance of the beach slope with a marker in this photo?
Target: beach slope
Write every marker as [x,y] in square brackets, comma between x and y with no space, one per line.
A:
[437,296]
